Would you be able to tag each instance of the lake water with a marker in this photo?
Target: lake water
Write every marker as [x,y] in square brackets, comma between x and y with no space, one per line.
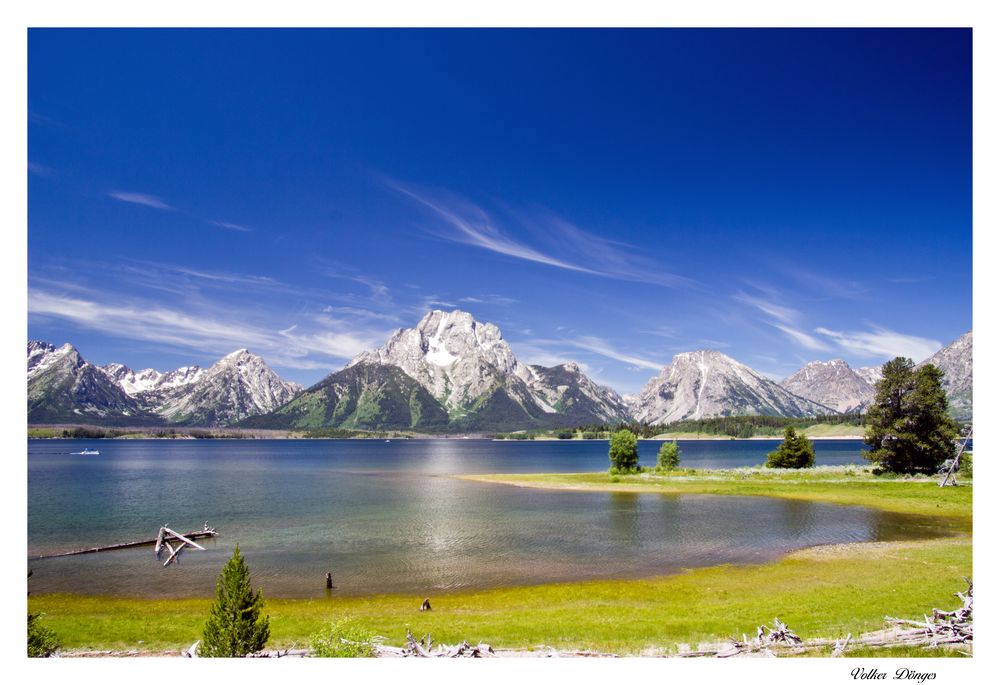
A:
[388,517]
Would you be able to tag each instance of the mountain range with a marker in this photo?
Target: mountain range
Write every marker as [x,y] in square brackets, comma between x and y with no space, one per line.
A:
[65,388]
[448,373]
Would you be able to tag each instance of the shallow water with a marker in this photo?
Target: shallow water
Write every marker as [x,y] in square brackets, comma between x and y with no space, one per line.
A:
[389,517]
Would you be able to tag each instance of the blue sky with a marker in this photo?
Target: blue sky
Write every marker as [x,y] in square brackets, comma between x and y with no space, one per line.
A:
[611,197]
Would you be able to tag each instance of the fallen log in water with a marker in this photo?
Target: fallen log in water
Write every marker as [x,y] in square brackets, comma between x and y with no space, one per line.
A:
[193,535]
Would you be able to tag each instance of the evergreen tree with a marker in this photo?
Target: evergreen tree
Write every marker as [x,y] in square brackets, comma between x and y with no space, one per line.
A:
[669,456]
[908,427]
[795,452]
[236,626]
[624,451]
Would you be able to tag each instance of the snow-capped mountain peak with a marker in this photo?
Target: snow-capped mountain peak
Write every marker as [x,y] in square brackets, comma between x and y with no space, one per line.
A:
[469,368]
[833,384]
[455,357]
[707,383]
[62,385]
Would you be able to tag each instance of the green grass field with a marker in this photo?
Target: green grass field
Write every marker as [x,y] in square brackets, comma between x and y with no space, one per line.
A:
[823,592]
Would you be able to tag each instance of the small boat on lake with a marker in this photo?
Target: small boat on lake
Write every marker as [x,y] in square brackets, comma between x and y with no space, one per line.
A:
[88,452]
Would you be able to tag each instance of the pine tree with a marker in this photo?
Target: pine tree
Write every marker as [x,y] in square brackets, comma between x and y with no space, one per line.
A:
[795,452]
[236,627]
[908,427]
[624,451]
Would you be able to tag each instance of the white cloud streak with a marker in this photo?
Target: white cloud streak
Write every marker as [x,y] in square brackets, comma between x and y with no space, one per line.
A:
[780,312]
[229,226]
[478,231]
[883,343]
[802,338]
[203,332]
[39,169]
[599,346]
[140,199]
[469,224]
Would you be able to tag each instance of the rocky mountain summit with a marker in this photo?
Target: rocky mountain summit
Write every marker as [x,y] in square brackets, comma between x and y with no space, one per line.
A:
[833,384]
[63,387]
[955,360]
[238,386]
[708,383]
[570,392]
[147,380]
[870,374]
[468,379]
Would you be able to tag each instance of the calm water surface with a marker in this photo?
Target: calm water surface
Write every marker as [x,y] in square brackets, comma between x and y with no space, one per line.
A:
[390,516]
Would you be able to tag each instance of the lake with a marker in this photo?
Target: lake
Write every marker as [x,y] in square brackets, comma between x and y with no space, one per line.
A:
[389,517]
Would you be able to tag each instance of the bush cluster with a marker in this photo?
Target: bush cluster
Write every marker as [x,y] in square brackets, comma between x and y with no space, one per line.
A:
[795,452]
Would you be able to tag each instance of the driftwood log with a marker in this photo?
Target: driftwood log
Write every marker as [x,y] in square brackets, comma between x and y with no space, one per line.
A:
[940,628]
[424,648]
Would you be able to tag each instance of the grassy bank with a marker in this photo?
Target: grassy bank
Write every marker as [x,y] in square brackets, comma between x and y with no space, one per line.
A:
[850,485]
[822,592]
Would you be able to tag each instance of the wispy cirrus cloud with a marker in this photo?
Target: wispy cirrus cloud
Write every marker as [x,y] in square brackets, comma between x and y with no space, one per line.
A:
[882,343]
[569,247]
[781,316]
[143,199]
[472,226]
[313,342]
[774,309]
[599,346]
[39,169]
[802,338]
[228,225]
[825,285]
[154,202]
[488,299]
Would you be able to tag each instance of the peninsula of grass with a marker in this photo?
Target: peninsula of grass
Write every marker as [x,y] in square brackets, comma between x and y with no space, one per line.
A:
[821,592]
[848,485]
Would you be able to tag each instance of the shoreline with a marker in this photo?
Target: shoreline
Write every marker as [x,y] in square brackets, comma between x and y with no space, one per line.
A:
[455,436]
[844,485]
[562,615]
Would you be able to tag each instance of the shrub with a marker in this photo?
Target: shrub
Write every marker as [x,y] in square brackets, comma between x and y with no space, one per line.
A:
[796,452]
[965,465]
[624,451]
[344,640]
[42,642]
[236,626]
[669,456]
